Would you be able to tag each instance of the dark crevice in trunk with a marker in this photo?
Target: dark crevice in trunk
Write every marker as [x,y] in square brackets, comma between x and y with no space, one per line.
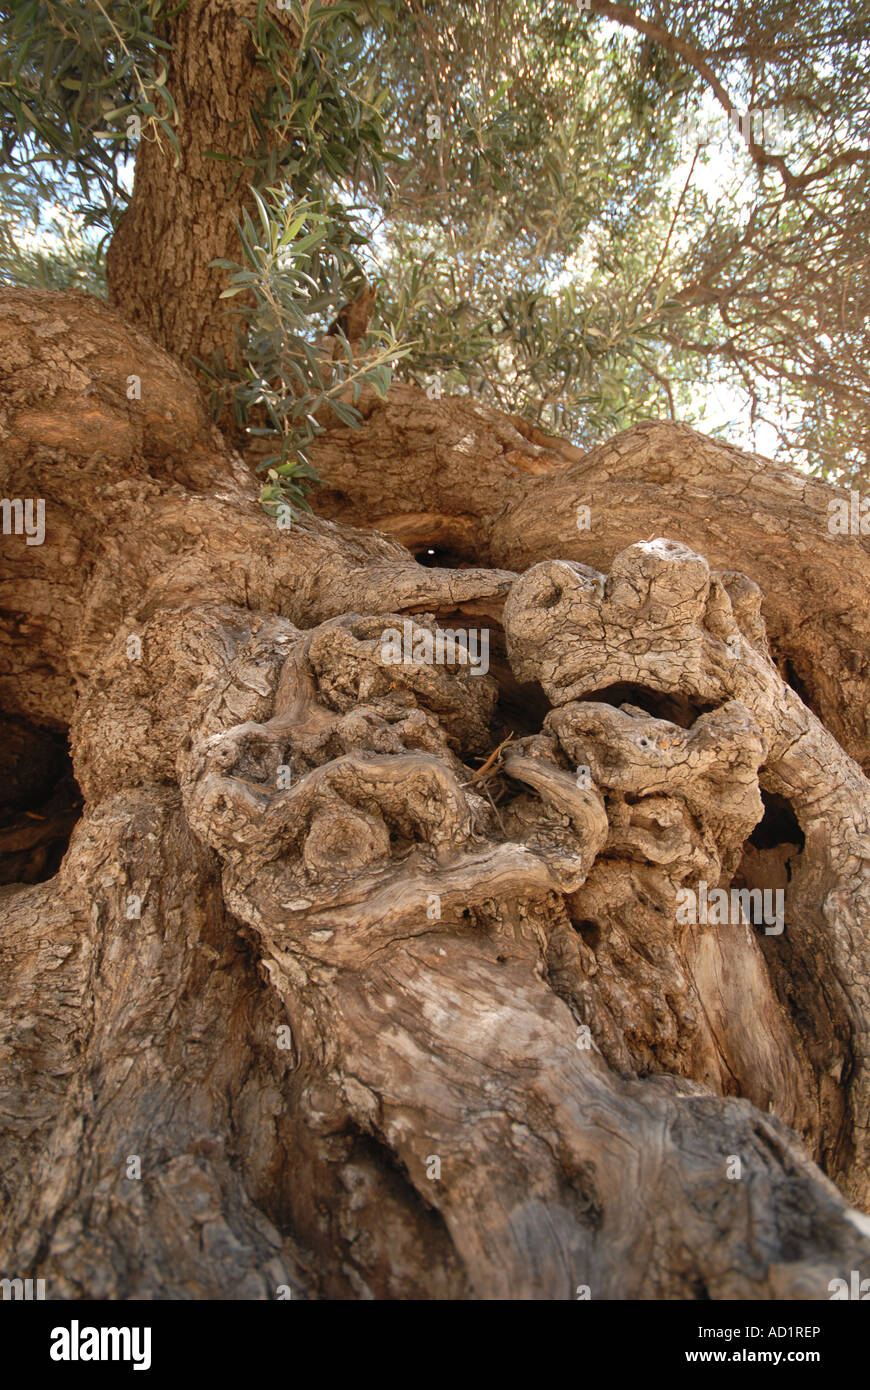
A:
[660,704]
[40,801]
[438,557]
[771,852]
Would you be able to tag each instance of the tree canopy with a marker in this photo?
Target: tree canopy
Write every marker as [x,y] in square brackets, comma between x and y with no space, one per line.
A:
[584,214]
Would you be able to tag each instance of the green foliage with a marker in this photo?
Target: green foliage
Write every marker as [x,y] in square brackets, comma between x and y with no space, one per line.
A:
[506,232]
[562,250]
[321,123]
[321,131]
[58,255]
[79,85]
[286,380]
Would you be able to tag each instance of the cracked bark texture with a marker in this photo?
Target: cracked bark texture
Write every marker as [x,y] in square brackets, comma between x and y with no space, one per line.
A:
[374,1024]
[495,490]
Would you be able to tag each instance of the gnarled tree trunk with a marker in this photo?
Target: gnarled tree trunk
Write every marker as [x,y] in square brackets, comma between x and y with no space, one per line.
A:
[329,995]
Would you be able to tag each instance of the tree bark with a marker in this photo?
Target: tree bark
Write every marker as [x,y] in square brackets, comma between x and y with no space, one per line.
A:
[183,211]
[314,1004]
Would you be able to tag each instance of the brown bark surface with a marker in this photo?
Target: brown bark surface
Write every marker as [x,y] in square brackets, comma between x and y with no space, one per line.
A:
[394,1029]
[184,209]
[497,491]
